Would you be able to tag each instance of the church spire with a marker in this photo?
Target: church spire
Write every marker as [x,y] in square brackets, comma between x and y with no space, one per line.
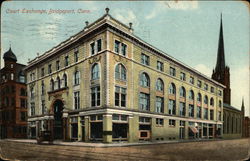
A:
[220,65]
[242,106]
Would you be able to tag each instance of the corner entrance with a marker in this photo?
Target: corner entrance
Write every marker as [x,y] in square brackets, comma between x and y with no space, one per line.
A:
[58,122]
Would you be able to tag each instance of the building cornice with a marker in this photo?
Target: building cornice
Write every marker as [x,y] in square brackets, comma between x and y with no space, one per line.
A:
[105,22]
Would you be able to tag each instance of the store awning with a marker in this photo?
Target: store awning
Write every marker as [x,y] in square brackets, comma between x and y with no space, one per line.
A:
[194,129]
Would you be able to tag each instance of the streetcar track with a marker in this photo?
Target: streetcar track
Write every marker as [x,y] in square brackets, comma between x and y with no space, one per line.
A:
[93,154]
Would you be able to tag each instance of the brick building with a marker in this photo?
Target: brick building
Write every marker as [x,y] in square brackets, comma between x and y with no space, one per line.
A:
[13,99]
[106,84]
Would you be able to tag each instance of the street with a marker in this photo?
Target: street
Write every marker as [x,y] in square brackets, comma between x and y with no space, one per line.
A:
[203,150]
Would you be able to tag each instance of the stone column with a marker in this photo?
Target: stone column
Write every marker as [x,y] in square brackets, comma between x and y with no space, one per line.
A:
[107,128]
[87,128]
[79,129]
[186,129]
[133,130]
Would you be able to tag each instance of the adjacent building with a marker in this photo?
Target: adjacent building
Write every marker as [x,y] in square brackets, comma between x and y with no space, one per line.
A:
[106,84]
[233,118]
[13,98]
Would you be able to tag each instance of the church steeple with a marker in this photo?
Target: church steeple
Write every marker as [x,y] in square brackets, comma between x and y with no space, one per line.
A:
[220,65]
[221,73]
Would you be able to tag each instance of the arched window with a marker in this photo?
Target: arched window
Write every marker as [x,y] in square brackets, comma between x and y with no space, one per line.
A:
[220,104]
[199,97]
[211,101]
[144,80]
[95,72]
[51,85]
[77,77]
[172,89]
[65,80]
[120,72]
[206,100]
[159,85]
[182,92]
[191,95]
[58,83]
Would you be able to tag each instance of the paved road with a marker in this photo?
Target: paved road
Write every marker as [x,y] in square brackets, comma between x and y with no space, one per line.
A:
[206,150]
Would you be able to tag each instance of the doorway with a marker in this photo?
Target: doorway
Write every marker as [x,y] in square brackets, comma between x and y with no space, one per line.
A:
[58,123]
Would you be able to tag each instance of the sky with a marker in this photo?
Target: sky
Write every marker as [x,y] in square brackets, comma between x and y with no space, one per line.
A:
[186,30]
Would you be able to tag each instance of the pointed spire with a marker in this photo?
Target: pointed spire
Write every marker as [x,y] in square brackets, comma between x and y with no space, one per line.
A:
[242,105]
[220,65]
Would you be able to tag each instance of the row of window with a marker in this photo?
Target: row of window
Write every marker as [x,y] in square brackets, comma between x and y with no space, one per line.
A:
[145,59]
[145,82]
[144,105]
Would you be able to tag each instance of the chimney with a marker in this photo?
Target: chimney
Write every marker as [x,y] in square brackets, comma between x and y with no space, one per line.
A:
[87,23]
[130,25]
[107,10]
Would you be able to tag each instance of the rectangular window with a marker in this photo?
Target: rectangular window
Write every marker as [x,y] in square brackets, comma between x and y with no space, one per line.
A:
[198,112]
[171,107]
[23,116]
[92,48]
[32,109]
[206,86]
[171,122]
[57,65]
[159,66]
[199,83]
[159,122]
[99,45]
[95,96]
[43,107]
[211,114]
[22,103]
[219,116]
[220,93]
[117,46]
[144,101]
[66,59]
[205,113]
[159,104]
[144,59]
[76,54]
[120,96]
[49,68]
[182,109]
[191,80]
[212,89]
[172,71]
[191,110]
[144,120]
[183,76]
[77,100]
[124,49]
[42,72]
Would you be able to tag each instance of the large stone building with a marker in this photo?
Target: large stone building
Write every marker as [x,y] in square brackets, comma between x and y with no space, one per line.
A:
[106,84]
[13,99]
[233,118]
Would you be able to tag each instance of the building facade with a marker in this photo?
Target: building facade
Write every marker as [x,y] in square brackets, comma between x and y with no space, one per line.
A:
[106,84]
[13,99]
[233,118]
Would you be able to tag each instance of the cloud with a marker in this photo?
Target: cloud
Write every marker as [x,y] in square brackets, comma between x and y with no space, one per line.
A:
[161,6]
[240,87]
[182,5]
[204,69]
[125,16]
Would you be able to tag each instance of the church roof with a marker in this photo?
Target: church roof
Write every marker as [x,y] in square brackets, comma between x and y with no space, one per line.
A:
[9,55]
[230,107]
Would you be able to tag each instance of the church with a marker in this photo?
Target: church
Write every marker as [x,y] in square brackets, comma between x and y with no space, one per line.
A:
[233,118]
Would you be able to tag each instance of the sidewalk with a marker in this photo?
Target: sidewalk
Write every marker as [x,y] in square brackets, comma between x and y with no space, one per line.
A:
[103,145]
